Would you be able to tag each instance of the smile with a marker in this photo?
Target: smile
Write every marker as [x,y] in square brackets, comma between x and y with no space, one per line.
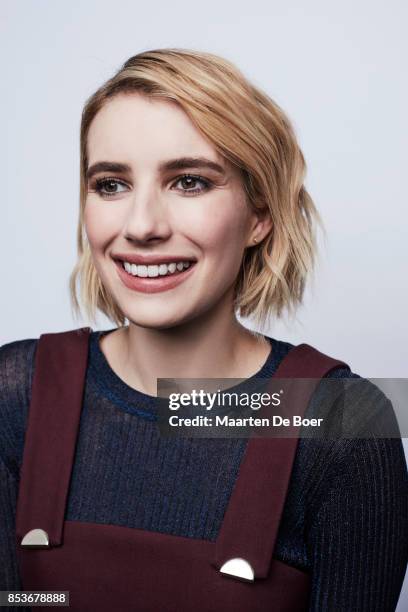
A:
[152,271]
[154,278]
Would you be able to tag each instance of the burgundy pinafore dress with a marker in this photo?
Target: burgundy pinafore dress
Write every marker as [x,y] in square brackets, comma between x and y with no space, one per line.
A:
[109,568]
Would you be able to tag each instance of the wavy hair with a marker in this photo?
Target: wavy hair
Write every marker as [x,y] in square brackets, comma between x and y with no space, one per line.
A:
[250,130]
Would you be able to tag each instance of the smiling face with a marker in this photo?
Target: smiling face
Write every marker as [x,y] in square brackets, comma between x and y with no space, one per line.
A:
[148,201]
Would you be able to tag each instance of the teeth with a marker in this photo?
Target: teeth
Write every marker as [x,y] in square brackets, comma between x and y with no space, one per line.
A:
[152,271]
[155,270]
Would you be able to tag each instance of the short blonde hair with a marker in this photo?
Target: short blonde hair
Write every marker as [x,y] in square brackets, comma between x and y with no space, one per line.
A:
[250,130]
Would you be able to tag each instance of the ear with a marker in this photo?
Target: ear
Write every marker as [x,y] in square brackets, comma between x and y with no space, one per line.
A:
[260,226]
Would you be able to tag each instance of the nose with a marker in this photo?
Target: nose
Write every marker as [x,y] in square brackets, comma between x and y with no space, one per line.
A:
[146,219]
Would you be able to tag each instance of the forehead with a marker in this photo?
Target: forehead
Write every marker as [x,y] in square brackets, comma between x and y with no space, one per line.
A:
[133,127]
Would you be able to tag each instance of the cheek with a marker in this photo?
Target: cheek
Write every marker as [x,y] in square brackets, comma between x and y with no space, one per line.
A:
[222,229]
[99,224]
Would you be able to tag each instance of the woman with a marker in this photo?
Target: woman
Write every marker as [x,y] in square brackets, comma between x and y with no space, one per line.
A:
[192,209]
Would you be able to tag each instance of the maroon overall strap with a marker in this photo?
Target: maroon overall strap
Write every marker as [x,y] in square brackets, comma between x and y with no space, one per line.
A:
[251,522]
[56,400]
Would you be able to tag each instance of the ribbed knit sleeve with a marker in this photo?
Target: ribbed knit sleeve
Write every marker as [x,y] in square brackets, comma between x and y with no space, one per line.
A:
[358,530]
[16,368]
[8,499]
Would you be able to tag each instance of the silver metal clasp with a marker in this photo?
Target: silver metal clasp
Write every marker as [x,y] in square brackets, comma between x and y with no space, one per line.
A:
[238,568]
[36,538]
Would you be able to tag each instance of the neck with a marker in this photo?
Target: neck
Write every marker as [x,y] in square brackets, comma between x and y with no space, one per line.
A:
[211,347]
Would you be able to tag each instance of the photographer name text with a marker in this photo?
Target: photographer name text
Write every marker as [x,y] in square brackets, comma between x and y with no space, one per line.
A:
[227,421]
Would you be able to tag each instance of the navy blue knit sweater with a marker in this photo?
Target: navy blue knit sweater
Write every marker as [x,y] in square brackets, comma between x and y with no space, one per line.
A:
[345,516]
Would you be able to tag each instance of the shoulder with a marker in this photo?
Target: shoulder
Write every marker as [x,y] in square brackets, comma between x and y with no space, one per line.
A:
[16,369]
[17,364]
[359,415]
[365,408]
[360,448]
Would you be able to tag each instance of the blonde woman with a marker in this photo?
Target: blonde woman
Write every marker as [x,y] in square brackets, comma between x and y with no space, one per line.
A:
[192,210]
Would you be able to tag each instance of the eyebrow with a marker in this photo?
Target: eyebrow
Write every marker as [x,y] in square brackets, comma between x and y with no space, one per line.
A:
[181,163]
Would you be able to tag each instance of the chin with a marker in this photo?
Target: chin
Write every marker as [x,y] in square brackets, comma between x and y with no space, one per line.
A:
[154,320]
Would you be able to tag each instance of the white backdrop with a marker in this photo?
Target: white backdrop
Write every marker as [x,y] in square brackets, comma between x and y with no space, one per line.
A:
[337,69]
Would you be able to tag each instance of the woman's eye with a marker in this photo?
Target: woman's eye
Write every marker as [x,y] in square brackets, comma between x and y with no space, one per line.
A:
[108,187]
[188,183]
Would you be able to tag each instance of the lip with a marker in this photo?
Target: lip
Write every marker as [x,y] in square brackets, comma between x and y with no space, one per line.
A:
[153,284]
[151,259]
